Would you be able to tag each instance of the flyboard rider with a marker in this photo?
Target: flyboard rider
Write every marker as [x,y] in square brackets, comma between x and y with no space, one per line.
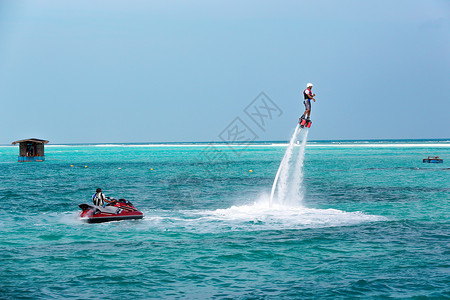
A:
[308,96]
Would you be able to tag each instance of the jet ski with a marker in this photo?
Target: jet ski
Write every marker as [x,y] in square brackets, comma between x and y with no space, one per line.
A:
[115,211]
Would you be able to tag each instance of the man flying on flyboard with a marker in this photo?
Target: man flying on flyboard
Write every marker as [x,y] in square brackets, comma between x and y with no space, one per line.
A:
[308,96]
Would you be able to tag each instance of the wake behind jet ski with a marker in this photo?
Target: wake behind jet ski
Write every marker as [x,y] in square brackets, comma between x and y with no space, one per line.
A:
[116,210]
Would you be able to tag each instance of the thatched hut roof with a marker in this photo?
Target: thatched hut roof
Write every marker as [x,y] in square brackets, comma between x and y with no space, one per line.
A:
[39,141]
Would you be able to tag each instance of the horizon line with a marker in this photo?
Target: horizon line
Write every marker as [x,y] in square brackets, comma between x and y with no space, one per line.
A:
[241,142]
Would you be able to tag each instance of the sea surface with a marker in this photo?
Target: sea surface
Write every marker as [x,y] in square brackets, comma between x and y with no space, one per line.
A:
[369,220]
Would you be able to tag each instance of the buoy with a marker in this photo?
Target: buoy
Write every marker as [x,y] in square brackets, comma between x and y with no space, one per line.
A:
[151,169]
[71,165]
[85,166]
[120,168]
[250,171]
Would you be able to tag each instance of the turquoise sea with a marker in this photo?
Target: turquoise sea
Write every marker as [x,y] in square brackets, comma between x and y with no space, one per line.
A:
[372,221]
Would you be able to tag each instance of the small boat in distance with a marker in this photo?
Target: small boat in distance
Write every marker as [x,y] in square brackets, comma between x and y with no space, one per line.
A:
[433,159]
[116,211]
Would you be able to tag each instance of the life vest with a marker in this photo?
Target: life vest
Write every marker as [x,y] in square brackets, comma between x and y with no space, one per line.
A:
[98,199]
[305,95]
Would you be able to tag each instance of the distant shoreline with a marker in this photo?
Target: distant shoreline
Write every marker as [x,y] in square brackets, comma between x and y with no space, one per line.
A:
[255,143]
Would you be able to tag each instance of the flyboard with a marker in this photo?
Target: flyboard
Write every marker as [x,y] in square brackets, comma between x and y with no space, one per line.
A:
[303,123]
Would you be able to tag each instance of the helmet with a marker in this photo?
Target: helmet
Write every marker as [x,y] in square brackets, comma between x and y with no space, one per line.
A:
[309,85]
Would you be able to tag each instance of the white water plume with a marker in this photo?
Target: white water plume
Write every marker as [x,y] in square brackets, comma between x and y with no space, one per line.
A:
[289,177]
[295,186]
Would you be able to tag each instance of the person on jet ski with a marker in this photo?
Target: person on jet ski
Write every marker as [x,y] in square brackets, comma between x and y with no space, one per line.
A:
[99,199]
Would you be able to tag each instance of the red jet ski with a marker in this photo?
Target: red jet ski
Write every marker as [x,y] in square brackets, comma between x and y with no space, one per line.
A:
[117,210]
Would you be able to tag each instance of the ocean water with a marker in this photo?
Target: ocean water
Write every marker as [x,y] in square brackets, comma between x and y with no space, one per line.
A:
[368,220]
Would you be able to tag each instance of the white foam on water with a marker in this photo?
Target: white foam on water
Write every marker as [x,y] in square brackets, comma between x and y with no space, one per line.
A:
[70,218]
[256,217]
[289,217]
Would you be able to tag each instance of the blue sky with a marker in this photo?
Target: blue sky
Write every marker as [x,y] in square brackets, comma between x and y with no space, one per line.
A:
[180,71]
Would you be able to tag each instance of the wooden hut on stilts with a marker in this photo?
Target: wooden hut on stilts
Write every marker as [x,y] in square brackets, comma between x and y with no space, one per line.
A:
[31,150]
